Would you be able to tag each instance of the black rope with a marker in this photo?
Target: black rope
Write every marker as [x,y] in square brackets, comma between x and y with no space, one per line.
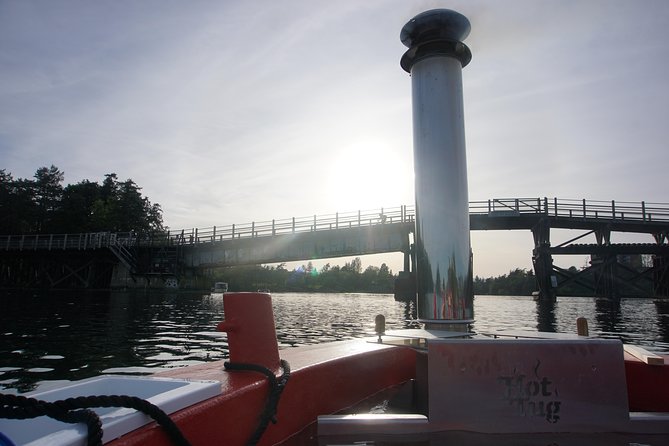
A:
[276,388]
[20,407]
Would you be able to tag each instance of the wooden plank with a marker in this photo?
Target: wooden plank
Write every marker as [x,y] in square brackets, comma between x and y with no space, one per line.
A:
[644,355]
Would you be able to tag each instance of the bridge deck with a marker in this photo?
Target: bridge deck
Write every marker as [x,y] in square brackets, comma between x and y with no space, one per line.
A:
[494,214]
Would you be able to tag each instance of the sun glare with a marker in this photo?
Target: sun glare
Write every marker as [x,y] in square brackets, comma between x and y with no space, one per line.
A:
[368,175]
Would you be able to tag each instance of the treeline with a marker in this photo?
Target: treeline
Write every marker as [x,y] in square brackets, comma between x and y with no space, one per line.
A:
[44,205]
[350,278]
[522,282]
[519,282]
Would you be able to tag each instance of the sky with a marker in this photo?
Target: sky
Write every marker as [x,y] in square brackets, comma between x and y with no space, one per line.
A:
[236,111]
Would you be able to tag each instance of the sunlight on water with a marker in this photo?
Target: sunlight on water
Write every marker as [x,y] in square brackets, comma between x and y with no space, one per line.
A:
[67,336]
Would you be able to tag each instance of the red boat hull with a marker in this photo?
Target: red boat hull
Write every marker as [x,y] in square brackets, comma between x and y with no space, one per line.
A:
[325,379]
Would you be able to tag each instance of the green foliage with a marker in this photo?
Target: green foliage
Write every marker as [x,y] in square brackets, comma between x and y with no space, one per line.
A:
[17,208]
[350,279]
[519,282]
[43,205]
[306,278]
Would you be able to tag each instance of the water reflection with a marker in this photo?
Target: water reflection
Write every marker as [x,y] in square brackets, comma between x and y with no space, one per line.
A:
[662,308]
[546,315]
[608,314]
[410,315]
[69,336]
[93,333]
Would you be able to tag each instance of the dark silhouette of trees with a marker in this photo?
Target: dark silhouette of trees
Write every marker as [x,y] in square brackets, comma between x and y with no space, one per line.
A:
[47,194]
[17,208]
[345,279]
[43,205]
[351,278]
[519,282]
[77,208]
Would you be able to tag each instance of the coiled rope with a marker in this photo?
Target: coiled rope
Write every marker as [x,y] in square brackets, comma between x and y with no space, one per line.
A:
[77,410]
[276,388]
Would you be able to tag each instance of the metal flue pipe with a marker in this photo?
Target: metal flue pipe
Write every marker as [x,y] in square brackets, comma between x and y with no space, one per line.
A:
[435,60]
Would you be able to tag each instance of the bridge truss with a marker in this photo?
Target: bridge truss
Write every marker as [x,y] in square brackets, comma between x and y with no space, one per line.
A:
[615,269]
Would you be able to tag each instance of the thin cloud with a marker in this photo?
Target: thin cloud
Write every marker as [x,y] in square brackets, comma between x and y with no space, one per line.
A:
[227,112]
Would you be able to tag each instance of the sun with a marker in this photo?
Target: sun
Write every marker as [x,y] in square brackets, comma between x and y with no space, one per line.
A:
[370,174]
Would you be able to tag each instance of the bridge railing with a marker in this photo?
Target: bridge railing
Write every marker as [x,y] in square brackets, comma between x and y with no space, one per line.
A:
[584,209]
[81,241]
[498,207]
[339,220]
[609,210]
[507,206]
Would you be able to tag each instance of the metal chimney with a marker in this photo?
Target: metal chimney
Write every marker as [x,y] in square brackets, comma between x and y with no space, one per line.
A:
[435,59]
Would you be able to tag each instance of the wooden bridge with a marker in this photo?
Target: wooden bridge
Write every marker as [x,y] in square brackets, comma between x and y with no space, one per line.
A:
[91,259]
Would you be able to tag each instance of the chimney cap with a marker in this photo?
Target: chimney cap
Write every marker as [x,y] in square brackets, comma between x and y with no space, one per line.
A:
[435,24]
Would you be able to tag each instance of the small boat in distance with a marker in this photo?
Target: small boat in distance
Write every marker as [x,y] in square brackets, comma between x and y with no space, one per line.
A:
[220,288]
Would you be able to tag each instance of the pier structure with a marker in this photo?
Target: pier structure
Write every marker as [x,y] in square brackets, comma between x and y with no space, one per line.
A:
[615,269]
[96,260]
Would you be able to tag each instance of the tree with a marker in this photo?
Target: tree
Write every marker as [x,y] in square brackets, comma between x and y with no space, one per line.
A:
[329,279]
[519,282]
[354,266]
[47,195]
[77,208]
[44,205]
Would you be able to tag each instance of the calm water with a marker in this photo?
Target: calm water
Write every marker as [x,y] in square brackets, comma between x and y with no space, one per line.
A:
[68,336]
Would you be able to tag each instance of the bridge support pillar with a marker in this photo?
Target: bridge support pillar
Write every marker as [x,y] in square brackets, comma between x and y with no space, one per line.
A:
[605,273]
[407,260]
[661,276]
[405,284]
[543,271]
[542,260]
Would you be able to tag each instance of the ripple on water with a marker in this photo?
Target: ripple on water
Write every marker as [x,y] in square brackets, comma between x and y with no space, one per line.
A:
[40,370]
[142,334]
[130,370]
